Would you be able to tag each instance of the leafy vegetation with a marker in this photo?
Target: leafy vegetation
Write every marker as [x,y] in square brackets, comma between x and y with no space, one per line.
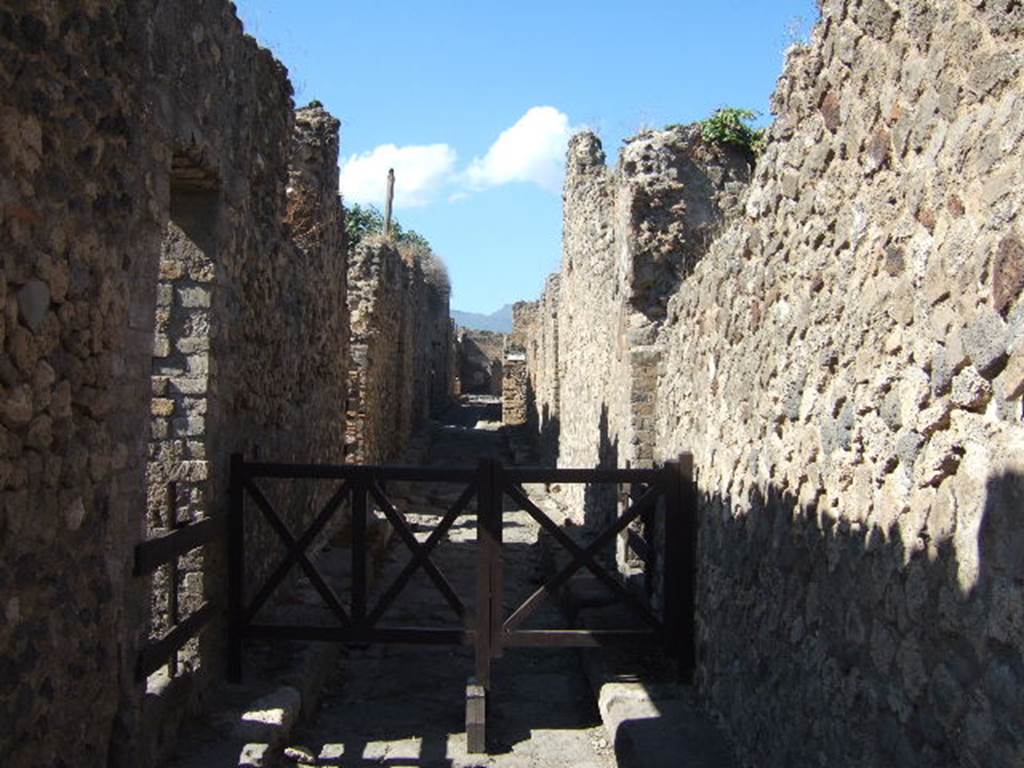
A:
[732,126]
[361,221]
[364,221]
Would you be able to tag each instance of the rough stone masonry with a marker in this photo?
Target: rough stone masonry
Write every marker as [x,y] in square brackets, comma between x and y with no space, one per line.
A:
[480,358]
[838,339]
[402,347]
[172,290]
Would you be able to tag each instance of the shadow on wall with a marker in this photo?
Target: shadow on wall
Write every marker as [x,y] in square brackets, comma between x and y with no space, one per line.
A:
[600,500]
[876,650]
[543,427]
[478,372]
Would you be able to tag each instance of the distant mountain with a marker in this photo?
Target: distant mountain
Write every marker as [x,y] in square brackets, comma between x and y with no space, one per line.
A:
[500,321]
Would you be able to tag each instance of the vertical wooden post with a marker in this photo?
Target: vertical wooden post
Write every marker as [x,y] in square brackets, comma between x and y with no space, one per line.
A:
[389,201]
[497,560]
[489,607]
[236,566]
[359,514]
[485,494]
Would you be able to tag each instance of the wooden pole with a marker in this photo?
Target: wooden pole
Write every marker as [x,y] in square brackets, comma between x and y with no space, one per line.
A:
[389,202]
[359,520]
[236,565]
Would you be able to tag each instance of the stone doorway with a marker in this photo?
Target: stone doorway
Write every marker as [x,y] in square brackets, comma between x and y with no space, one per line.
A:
[177,471]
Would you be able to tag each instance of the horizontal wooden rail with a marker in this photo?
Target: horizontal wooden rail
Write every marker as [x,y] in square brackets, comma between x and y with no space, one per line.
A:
[392,635]
[150,555]
[252,469]
[444,474]
[155,655]
[580,638]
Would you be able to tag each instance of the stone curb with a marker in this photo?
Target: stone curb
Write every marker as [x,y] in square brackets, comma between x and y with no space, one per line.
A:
[651,720]
[652,724]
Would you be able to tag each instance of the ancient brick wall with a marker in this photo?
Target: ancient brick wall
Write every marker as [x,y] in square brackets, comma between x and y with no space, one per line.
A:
[433,335]
[632,233]
[515,382]
[151,295]
[441,358]
[376,286]
[840,349]
[543,373]
[480,357]
[400,373]
[587,316]
[845,365]
[524,320]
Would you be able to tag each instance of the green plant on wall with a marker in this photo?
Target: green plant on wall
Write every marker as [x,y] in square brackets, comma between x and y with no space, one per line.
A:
[361,221]
[732,126]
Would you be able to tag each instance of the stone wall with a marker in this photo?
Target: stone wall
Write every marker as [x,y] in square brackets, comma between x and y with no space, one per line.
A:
[401,342]
[130,131]
[515,384]
[480,357]
[524,321]
[631,234]
[543,373]
[845,370]
[844,361]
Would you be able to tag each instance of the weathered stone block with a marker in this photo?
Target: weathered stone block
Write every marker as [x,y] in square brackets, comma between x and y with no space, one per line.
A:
[161,346]
[188,427]
[16,406]
[970,390]
[194,297]
[34,303]
[192,345]
[161,407]
[1011,380]
[188,385]
[985,340]
[1007,274]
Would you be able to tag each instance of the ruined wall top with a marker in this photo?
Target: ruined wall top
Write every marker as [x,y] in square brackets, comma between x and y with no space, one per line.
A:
[585,153]
[524,318]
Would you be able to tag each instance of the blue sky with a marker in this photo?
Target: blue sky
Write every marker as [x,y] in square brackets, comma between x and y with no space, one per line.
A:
[472,102]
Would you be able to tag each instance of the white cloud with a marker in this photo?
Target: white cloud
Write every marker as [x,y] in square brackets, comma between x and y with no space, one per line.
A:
[532,150]
[420,172]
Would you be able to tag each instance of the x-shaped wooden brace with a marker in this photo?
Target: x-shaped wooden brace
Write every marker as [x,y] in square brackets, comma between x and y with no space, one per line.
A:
[421,555]
[582,557]
[297,552]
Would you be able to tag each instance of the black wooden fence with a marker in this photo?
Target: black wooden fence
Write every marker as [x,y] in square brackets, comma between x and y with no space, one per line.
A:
[165,550]
[667,491]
